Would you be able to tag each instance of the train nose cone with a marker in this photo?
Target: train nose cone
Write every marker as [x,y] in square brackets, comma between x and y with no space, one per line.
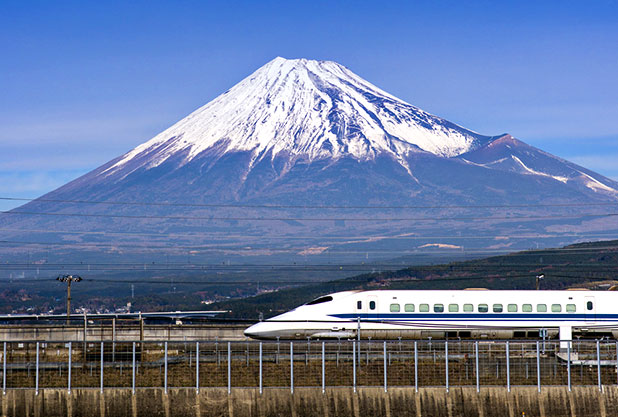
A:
[256,331]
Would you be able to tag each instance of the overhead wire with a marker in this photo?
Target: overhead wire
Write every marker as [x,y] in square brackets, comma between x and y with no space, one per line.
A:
[347,268]
[167,265]
[335,239]
[196,251]
[307,219]
[507,252]
[303,206]
[332,282]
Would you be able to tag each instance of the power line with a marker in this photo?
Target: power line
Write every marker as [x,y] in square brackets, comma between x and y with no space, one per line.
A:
[305,206]
[503,253]
[208,283]
[308,219]
[336,282]
[243,247]
[214,236]
[299,282]
[480,262]
[41,263]
[367,269]
[507,252]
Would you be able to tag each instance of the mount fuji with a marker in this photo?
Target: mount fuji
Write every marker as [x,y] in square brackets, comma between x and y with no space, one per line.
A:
[304,159]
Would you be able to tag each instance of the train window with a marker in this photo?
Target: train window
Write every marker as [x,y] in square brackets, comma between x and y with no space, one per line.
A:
[423,308]
[541,308]
[483,308]
[438,308]
[359,305]
[511,308]
[497,308]
[372,305]
[556,308]
[320,300]
[395,308]
[570,308]
[589,305]
[468,308]
[526,308]
[409,308]
[453,308]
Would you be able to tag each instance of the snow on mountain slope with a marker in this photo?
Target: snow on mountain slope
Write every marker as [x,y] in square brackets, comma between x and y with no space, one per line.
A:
[299,158]
[308,110]
[509,154]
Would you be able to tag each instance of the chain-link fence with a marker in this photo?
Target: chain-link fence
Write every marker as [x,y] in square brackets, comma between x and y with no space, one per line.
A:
[344,363]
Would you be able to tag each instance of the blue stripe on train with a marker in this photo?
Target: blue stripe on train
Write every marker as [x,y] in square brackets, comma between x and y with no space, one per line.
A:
[478,316]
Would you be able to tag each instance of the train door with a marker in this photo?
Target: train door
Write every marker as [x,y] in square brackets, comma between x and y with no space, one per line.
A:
[590,308]
[372,306]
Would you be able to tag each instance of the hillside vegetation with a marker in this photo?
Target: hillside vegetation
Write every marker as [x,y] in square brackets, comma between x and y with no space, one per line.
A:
[592,265]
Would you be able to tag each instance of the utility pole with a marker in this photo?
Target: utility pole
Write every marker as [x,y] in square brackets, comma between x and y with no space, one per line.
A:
[68,279]
[538,281]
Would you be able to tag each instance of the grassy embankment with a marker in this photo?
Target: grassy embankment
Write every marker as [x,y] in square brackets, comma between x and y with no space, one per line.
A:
[585,264]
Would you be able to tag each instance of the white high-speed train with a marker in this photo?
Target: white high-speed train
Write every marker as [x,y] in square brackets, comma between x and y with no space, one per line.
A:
[411,314]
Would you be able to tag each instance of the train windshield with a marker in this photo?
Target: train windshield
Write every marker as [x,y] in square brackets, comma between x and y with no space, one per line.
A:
[320,300]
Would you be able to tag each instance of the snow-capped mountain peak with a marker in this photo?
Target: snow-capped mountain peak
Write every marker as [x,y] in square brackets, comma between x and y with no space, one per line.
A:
[309,110]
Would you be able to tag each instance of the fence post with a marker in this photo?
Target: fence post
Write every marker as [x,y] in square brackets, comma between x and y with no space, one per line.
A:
[359,343]
[598,367]
[354,365]
[36,381]
[4,371]
[508,368]
[102,350]
[133,371]
[114,340]
[165,370]
[85,338]
[415,368]
[197,367]
[229,368]
[323,371]
[538,367]
[476,354]
[446,362]
[260,367]
[292,367]
[70,366]
[569,365]
[385,370]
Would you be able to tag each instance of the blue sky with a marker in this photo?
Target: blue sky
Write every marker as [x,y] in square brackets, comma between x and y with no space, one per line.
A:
[83,82]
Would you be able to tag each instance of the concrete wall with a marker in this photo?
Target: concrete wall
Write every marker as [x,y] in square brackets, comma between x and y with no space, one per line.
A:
[434,402]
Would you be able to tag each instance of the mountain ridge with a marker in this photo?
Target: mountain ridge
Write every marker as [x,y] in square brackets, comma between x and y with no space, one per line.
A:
[312,110]
[301,111]
[325,144]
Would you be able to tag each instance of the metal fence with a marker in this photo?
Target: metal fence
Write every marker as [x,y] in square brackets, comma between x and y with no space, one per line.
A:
[423,363]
